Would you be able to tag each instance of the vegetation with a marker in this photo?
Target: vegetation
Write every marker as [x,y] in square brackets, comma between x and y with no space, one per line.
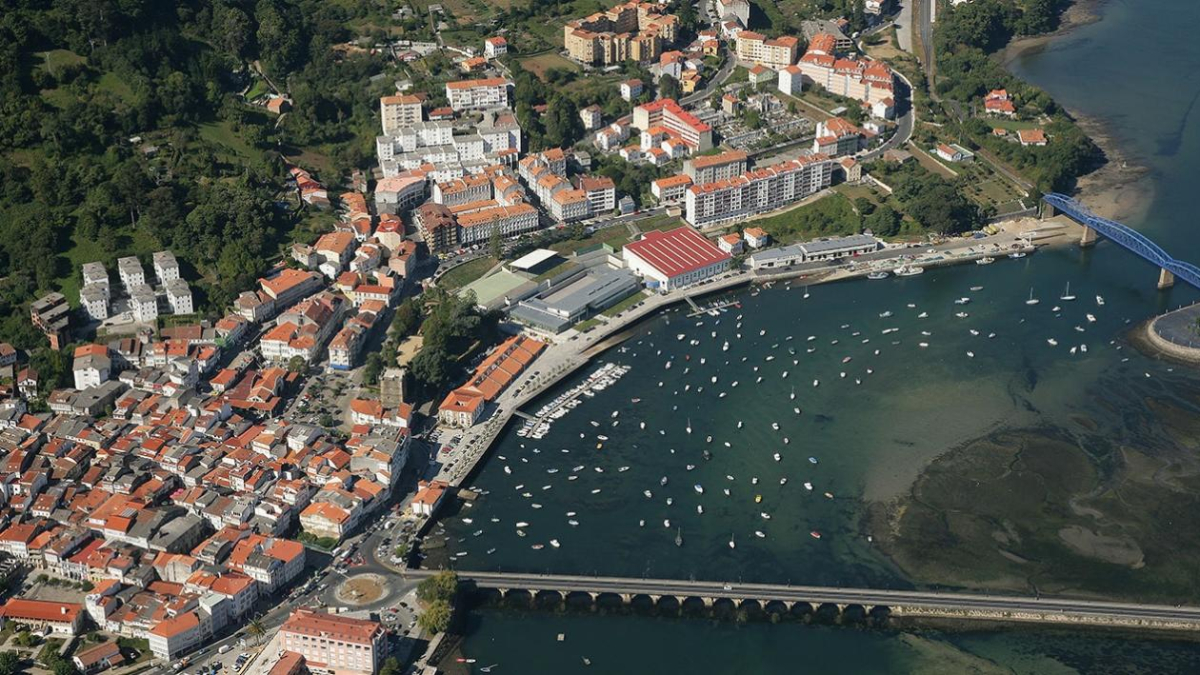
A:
[451,326]
[441,586]
[10,663]
[310,539]
[436,617]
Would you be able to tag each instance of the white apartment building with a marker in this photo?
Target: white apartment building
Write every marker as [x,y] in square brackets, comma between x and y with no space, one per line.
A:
[143,303]
[94,274]
[399,111]
[712,168]
[567,206]
[179,296]
[166,267]
[477,94]
[791,80]
[758,191]
[601,193]
[131,272]
[510,220]
[670,190]
[94,298]
[463,190]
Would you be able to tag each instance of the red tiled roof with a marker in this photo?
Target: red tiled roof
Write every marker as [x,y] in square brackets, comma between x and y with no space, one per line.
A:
[676,252]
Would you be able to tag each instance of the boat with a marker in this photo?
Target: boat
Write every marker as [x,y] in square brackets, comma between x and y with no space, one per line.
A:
[759,534]
[783,481]
[1100,300]
[1091,318]
[777,457]
[909,271]
[507,470]
[573,523]
[522,524]
[663,481]
[731,544]
[757,499]
[814,534]
[923,315]
[649,494]
[962,301]
[885,315]
[726,491]
[775,426]
[875,276]
[1032,300]
[754,480]
[666,523]
[1066,296]
[846,359]
[961,315]
[808,486]
[829,495]
[816,383]
[1083,348]
[689,425]
[537,547]
[679,537]
[765,515]
[812,460]
[986,260]
[1017,255]
[699,510]
[698,488]
[554,543]
[1052,342]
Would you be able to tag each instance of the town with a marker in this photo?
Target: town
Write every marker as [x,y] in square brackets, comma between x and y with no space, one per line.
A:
[211,482]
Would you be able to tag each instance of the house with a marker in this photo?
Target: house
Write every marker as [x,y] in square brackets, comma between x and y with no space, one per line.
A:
[997,102]
[8,359]
[1032,137]
[670,190]
[278,105]
[428,498]
[791,80]
[495,47]
[760,74]
[631,89]
[92,366]
[851,169]
[177,635]
[63,618]
[730,104]
[98,658]
[953,152]
[730,243]
[756,237]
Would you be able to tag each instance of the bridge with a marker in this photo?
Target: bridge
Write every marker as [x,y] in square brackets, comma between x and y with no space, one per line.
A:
[790,598]
[1170,269]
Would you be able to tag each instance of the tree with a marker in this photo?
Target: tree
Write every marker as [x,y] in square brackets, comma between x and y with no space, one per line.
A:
[10,663]
[297,364]
[436,617]
[439,587]
[495,243]
[391,666]
[563,125]
[256,629]
[668,87]
[372,369]
[864,206]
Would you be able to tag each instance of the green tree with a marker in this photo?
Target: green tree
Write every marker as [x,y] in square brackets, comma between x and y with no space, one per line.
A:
[10,663]
[297,364]
[391,666]
[441,586]
[495,244]
[668,87]
[372,368]
[436,617]
[563,125]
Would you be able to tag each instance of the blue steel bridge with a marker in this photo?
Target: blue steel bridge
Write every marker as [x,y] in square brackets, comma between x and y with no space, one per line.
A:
[1126,237]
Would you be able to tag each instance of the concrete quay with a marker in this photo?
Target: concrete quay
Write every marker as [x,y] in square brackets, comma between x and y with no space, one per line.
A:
[1175,334]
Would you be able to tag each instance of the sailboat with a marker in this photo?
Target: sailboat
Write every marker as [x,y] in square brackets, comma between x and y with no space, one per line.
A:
[1032,300]
[689,425]
[679,537]
[731,544]
[1067,294]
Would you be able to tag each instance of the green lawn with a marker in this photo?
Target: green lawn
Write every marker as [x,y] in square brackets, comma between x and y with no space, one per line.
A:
[222,133]
[135,242]
[662,222]
[538,65]
[259,88]
[585,326]
[466,273]
[55,58]
[111,82]
[832,215]
[626,303]
[616,237]
[1013,125]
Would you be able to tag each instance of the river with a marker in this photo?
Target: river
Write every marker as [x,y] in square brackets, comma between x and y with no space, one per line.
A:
[938,382]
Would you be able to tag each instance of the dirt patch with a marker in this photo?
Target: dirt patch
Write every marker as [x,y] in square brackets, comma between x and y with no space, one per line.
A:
[1115,550]
[362,590]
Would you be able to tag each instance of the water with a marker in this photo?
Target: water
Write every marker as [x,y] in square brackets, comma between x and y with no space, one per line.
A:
[873,439]
[527,643]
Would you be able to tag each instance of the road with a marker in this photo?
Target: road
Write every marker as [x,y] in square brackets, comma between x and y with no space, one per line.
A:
[923,16]
[1013,607]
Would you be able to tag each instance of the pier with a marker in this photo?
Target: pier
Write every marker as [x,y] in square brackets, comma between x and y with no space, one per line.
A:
[1066,611]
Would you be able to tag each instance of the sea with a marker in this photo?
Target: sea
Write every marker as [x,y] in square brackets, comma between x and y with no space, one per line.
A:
[780,421]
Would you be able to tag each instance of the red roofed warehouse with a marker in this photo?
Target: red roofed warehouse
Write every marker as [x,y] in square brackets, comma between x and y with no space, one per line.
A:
[675,258]
[334,644]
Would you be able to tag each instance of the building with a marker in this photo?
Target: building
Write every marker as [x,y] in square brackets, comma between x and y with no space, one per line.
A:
[464,406]
[94,299]
[632,31]
[334,644]
[738,10]
[61,618]
[997,102]
[52,315]
[179,296]
[758,191]
[289,286]
[670,190]
[399,111]
[568,206]
[1035,137]
[437,227]
[95,274]
[791,80]
[830,248]
[758,49]
[953,152]
[601,193]
[177,635]
[756,237]
[730,243]
[835,38]
[711,168]
[98,658]
[582,294]
[478,94]
[391,387]
[463,190]
[676,258]
[429,497]
[92,366]
[399,194]
[837,136]
[591,117]
[131,272]
[508,220]
[166,267]
[669,115]
[461,409]
[631,89]
[144,303]
[761,74]
[495,47]
[861,79]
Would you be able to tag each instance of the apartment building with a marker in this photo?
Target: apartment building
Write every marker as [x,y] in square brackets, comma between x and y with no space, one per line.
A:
[399,111]
[758,191]
[477,94]
[567,206]
[861,79]
[712,168]
[166,267]
[437,226]
[631,31]
[477,227]
[774,53]
[334,644]
[669,115]
[601,193]
[670,190]
[463,190]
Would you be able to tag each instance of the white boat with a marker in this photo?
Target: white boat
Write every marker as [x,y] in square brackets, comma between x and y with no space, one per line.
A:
[1100,300]
[777,457]
[1066,296]
[1052,342]
[816,383]
[775,426]
[808,486]
[522,524]
[1032,300]
[663,481]
[962,301]
[765,515]
[731,544]
[961,315]
[1091,318]
[698,488]
[1017,255]
[971,354]
[1083,348]
[885,315]
[923,315]
[783,481]
[666,523]
[759,534]
[554,543]
[649,494]
[908,271]
[877,275]
[699,509]
[986,260]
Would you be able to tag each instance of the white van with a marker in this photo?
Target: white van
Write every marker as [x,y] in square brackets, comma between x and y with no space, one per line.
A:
[225,649]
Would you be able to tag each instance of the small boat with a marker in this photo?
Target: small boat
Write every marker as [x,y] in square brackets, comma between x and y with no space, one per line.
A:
[1066,296]
[885,315]
[814,534]
[783,481]
[759,534]
[699,510]
[778,457]
[1052,342]
[875,276]
[971,354]
[666,523]
[765,515]
[908,271]
[537,547]
[986,260]
[731,544]
[829,495]
[1032,300]
[522,524]
[1017,255]
[1091,318]
[757,499]
[554,543]
[962,301]
[961,315]
[698,488]
[846,359]
[679,537]
[573,523]
[812,460]
[816,383]
[663,481]
[1100,300]
[923,315]
[726,491]
[649,495]
[808,486]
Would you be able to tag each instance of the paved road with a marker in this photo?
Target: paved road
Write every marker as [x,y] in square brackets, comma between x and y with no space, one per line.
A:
[904,25]
[1091,611]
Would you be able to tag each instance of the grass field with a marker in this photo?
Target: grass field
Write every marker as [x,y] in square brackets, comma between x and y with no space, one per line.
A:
[132,242]
[111,82]
[55,58]
[1012,125]
[222,134]
[616,237]
[663,222]
[853,192]
[538,65]
[625,304]
[466,273]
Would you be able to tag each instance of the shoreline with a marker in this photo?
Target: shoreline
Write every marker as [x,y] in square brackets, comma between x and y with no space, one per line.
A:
[1120,189]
